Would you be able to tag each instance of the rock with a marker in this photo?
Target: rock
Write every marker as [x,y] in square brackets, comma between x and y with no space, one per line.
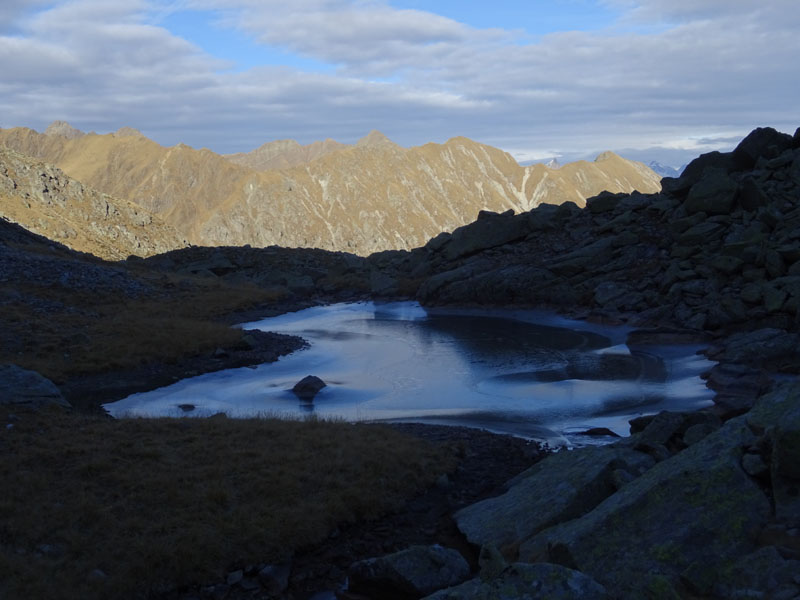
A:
[603,202]
[563,486]
[714,194]
[761,142]
[490,230]
[411,573]
[698,507]
[767,346]
[308,387]
[764,571]
[275,578]
[754,465]
[187,407]
[522,581]
[234,577]
[777,414]
[491,562]
[20,386]
[751,196]
[598,432]
[695,170]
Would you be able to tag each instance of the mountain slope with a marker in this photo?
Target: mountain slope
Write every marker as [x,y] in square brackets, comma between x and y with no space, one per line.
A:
[43,199]
[369,197]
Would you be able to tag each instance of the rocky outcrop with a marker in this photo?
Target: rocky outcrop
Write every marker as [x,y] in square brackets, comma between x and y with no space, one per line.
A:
[372,196]
[41,198]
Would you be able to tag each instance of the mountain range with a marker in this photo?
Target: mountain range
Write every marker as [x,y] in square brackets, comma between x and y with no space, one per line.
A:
[362,198]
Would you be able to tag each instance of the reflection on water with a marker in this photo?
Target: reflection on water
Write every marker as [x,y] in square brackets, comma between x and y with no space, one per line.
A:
[523,372]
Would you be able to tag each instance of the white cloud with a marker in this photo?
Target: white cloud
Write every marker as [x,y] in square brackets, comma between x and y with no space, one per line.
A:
[416,76]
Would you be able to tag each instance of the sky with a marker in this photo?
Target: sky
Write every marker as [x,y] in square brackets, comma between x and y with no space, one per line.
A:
[658,80]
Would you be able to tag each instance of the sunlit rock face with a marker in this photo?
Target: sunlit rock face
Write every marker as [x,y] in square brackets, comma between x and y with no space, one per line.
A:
[369,197]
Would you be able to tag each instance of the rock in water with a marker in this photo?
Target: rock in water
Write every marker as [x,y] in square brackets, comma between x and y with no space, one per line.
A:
[308,387]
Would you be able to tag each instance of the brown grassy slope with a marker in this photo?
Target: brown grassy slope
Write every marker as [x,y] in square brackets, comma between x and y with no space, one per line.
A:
[155,504]
[367,198]
[64,314]
[283,154]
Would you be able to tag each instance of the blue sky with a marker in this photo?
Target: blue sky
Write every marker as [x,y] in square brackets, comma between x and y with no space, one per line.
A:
[661,79]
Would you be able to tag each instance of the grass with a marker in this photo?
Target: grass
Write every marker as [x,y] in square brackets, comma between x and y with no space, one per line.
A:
[159,503]
[84,333]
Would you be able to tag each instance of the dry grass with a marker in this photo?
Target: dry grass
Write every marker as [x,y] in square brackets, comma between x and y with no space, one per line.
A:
[84,333]
[158,503]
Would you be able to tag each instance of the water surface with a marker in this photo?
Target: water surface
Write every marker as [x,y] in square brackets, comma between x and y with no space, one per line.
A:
[529,373]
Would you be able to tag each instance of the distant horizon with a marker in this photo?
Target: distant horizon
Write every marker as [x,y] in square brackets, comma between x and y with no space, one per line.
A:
[641,155]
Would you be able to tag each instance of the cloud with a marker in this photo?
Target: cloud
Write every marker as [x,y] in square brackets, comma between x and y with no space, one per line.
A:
[416,76]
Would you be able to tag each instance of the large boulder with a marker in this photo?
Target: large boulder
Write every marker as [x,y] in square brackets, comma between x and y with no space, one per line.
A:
[490,230]
[761,142]
[714,194]
[564,486]
[22,387]
[777,416]
[411,573]
[521,581]
[696,510]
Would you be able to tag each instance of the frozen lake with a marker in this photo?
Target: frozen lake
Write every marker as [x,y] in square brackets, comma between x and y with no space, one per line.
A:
[528,373]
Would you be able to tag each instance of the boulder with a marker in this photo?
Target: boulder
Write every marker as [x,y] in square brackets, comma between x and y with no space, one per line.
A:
[694,172]
[490,230]
[767,346]
[761,142]
[411,573]
[308,387]
[697,508]
[714,194]
[521,581]
[20,386]
[777,415]
[564,486]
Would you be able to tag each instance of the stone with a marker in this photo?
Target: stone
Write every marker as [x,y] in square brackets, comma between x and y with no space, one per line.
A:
[23,387]
[763,572]
[489,231]
[697,507]
[523,581]
[491,562]
[754,465]
[234,577]
[714,194]
[411,573]
[695,170]
[275,578]
[751,196]
[563,486]
[603,202]
[763,142]
[765,346]
[308,387]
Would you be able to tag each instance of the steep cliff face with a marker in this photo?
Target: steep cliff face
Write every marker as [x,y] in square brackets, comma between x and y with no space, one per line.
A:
[364,198]
[41,198]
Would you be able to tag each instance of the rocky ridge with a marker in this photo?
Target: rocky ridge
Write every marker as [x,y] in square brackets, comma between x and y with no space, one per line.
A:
[364,198]
[41,198]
